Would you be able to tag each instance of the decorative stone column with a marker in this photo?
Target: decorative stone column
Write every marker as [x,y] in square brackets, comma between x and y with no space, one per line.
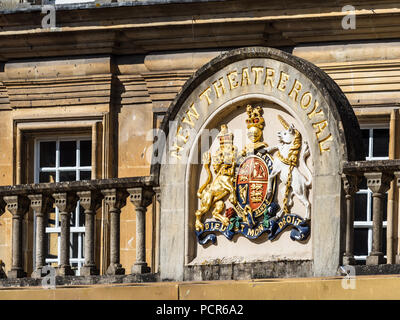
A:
[156,263]
[350,188]
[66,203]
[42,205]
[115,199]
[141,199]
[378,183]
[90,201]
[18,206]
[2,210]
[397,179]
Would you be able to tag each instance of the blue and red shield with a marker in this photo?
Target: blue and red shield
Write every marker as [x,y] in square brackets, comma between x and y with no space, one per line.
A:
[252,182]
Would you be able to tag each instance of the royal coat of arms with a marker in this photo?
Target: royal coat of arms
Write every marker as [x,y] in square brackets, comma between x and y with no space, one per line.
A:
[248,180]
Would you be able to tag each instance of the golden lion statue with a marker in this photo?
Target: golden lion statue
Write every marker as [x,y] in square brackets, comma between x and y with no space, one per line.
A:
[212,192]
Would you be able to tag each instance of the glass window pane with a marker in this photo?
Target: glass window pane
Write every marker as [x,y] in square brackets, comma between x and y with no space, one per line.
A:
[51,221]
[81,217]
[67,153]
[360,207]
[360,241]
[72,220]
[47,154]
[85,175]
[86,153]
[52,245]
[363,184]
[384,234]
[67,158]
[381,142]
[67,176]
[74,245]
[47,177]
[365,139]
[83,245]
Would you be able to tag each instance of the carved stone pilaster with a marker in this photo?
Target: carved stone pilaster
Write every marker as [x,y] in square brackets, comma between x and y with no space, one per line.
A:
[42,205]
[141,198]
[157,191]
[397,180]
[66,203]
[18,206]
[90,201]
[115,199]
[350,187]
[378,183]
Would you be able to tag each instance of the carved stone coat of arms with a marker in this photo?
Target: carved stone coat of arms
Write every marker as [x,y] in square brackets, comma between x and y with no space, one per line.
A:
[248,180]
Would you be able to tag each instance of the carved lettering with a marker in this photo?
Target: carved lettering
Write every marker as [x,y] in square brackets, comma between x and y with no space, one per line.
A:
[313,112]
[245,77]
[175,153]
[320,126]
[179,134]
[192,112]
[295,90]
[269,77]
[283,81]
[206,95]
[305,100]
[254,75]
[321,142]
[232,80]
[250,232]
[257,73]
[219,85]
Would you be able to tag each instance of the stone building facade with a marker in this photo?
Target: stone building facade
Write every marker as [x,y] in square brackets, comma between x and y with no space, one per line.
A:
[83,100]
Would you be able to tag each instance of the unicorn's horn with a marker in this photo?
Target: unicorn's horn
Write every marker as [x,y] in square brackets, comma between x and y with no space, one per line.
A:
[284,123]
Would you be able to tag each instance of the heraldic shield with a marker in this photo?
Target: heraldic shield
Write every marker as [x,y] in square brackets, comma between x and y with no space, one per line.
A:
[252,185]
[248,181]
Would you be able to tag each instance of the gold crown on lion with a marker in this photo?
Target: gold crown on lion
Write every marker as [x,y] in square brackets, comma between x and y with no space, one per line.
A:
[225,137]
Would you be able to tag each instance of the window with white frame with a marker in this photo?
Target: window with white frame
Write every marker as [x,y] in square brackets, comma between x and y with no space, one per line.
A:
[64,159]
[376,146]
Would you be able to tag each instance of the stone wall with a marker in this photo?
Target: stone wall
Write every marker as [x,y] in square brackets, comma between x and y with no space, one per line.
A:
[145,85]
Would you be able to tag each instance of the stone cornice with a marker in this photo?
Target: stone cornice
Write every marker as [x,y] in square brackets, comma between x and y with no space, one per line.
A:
[87,185]
[360,167]
[65,91]
[168,25]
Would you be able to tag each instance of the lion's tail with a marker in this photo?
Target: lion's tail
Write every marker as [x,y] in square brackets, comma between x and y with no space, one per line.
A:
[209,177]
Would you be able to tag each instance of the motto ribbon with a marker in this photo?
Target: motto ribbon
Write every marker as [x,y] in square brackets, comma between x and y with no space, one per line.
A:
[300,231]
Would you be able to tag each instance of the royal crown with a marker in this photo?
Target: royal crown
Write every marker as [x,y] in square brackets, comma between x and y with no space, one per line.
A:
[255,118]
[225,137]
